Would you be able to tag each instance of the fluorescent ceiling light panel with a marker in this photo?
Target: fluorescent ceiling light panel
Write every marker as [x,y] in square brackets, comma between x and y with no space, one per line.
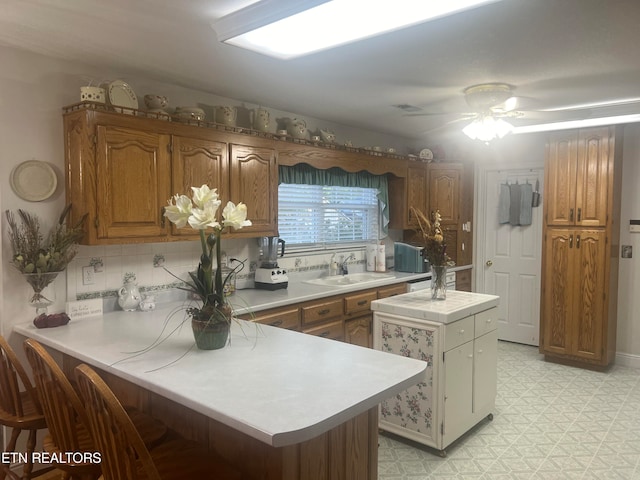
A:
[584,106]
[590,122]
[279,29]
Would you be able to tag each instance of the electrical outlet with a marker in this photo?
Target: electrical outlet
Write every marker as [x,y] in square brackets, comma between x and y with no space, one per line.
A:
[88,275]
[253,266]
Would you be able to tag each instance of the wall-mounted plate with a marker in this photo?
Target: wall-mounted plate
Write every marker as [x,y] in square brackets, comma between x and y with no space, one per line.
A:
[33,180]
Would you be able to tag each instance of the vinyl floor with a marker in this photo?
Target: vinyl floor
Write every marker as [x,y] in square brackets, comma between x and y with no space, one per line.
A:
[551,422]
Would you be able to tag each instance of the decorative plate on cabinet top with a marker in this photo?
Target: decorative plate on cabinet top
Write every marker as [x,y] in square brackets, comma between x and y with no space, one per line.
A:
[426,154]
[33,180]
[122,95]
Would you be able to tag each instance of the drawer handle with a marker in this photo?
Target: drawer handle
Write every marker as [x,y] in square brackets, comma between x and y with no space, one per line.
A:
[277,323]
[362,302]
[324,311]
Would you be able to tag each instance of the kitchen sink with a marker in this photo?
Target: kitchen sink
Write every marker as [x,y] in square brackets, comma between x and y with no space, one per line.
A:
[350,279]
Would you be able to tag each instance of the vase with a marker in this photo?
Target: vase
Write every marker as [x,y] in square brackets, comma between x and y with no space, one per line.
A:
[44,293]
[211,326]
[438,282]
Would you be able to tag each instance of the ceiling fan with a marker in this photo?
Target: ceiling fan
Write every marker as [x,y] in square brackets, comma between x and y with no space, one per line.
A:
[490,105]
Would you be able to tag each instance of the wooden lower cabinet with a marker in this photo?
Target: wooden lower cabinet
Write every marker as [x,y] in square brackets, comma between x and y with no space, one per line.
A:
[349,451]
[358,331]
[346,318]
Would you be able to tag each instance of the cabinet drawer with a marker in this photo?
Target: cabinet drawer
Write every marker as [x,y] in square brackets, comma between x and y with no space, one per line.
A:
[318,312]
[331,330]
[486,321]
[359,303]
[392,290]
[289,318]
[457,333]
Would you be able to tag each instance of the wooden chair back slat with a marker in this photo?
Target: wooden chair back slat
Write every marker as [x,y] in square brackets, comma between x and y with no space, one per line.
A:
[123,450]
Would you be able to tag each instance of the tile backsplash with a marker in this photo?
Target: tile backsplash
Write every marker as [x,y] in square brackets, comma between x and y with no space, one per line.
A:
[99,271]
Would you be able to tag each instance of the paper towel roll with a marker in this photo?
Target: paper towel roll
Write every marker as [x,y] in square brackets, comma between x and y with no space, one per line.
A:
[381,264]
[371,257]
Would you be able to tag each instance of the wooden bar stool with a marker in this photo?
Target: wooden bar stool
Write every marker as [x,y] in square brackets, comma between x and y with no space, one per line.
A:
[124,454]
[66,415]
[19,410]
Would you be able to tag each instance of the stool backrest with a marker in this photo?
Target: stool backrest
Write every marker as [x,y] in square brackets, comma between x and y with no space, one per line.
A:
[123,450]
[11,374]
[61,404]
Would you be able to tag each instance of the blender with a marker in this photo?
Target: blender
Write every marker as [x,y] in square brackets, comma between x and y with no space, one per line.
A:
[269,275]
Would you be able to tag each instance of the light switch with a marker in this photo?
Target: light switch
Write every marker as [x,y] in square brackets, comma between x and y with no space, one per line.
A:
[634,226]
[627,251]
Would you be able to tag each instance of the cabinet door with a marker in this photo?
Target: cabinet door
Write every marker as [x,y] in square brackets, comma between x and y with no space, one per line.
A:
[557,291]
[254,181]
[485,371]
[444,192]
[577,177]
[133,183]
[358,331]
[196,162]
[592,184]
[573,292]
[560,178]
[589,286]
[416,192]
[458,384]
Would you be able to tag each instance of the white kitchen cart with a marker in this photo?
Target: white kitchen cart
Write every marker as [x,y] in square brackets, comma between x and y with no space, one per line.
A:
[457,337]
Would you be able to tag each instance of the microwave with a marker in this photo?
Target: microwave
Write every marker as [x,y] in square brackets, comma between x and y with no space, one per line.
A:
[408,258]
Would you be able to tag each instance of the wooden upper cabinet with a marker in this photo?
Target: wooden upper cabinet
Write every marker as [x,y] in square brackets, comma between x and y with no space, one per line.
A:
[133,182]
[416,192]
[196,162]
[254,181]
[444,191]
[578,178]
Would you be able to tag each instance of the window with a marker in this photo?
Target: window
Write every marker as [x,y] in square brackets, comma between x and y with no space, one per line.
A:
[324,216]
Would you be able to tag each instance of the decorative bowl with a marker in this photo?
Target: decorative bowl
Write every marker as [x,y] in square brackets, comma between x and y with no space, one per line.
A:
[155,101]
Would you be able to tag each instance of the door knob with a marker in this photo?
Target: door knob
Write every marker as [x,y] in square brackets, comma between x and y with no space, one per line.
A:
[489,263]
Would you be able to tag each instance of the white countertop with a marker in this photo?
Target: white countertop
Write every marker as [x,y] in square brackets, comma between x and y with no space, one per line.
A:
[278,386]
[299,291]
[418,305]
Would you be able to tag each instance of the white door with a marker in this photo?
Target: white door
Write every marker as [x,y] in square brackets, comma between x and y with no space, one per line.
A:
[509,257]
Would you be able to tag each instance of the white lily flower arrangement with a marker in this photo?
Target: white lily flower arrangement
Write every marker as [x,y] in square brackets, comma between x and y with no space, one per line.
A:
[200,212]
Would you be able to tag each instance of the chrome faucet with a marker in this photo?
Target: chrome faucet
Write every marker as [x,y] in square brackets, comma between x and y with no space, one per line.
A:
[344,270]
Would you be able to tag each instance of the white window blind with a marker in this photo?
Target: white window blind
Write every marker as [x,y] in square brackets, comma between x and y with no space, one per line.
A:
[316,215]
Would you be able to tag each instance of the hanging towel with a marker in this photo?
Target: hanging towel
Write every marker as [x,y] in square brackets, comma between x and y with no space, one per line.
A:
[514,204]
[503,204]
[526,195]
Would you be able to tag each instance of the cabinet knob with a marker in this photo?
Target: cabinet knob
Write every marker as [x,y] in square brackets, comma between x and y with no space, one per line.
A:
[488,320]
[469,356]
[480,351]
[461,332]
[489,263]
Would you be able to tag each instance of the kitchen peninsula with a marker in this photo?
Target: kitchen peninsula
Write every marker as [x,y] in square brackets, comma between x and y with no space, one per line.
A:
[275,403]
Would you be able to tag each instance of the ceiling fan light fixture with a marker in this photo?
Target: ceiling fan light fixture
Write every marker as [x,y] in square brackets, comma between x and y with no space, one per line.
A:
[487,128]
